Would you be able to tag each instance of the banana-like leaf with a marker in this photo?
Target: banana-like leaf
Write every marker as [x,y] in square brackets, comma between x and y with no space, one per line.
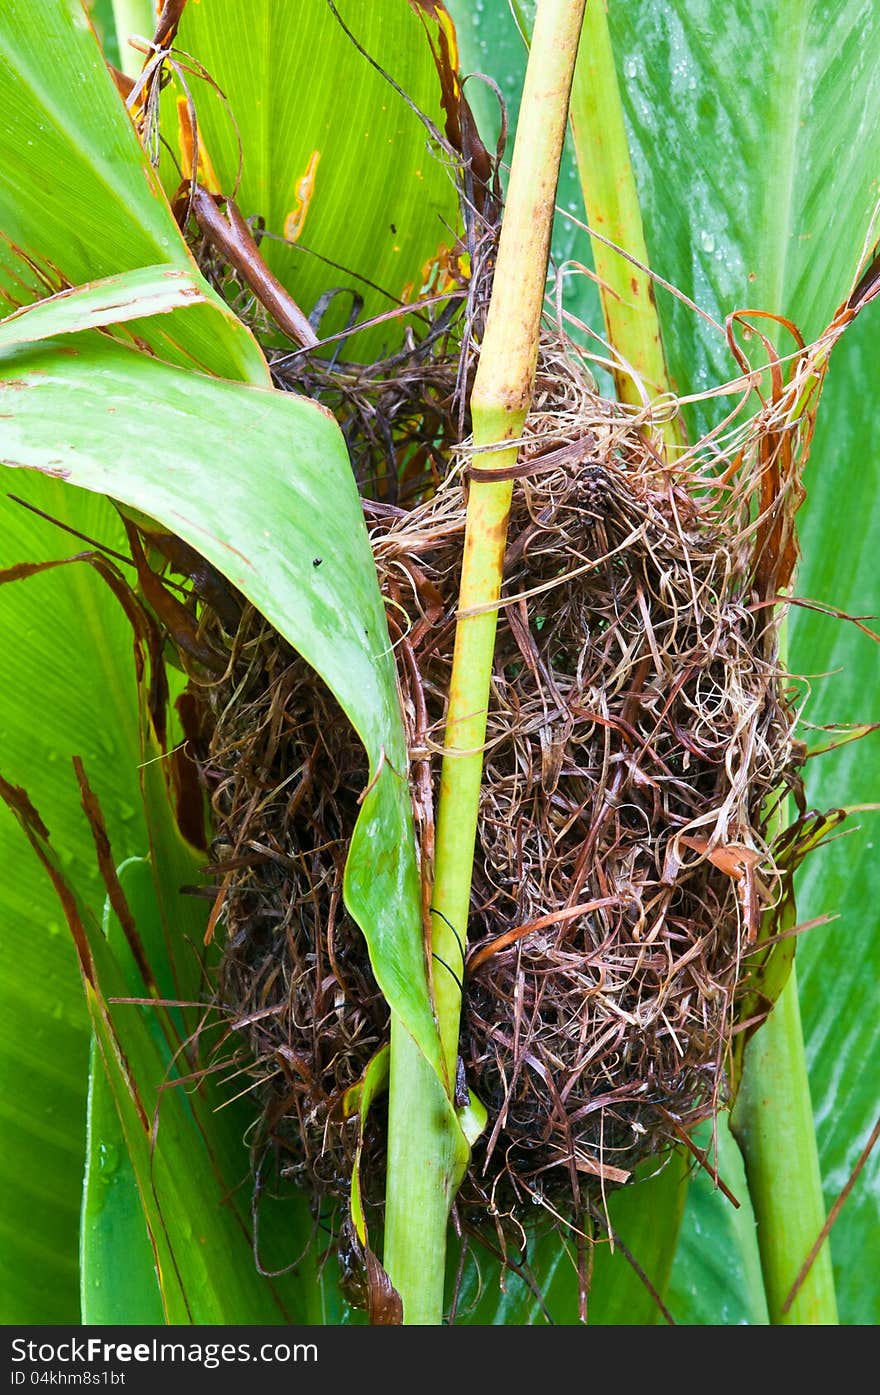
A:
[77,679]
[112,1221]
[333,158]
[78,197]
[757,182]
[766,201]
[628,1281]
[716,1278]
[114,300]
[839,985]
[68,649]
[187,1190]
[77,202]
[181,448]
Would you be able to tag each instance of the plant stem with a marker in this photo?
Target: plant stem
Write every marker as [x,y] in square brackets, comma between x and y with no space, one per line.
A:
[499,403]
[424,1150]
[132,17]
[773,1122]
[612,206]
[424,1169]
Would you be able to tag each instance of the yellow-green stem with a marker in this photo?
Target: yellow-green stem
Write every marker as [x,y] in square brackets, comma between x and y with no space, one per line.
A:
[424,1169]
[424,1157]
[499,403]
[612,205]
[773,1123]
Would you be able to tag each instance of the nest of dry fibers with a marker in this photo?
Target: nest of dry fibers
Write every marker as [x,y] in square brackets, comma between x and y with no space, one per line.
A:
[638,736]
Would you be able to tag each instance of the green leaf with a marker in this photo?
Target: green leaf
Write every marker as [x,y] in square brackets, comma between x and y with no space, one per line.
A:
[327,144]
[112,1223]
[66,691]
[358,1100]
[771,211]
[839,986]
[756,182]
[750,173]
[716,1277]
[181,448]
[77,193]
[546,1289]
[114,300]
[188,1191]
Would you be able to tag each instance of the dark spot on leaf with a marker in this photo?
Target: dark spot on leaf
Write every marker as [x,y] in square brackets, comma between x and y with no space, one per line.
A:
[316,561]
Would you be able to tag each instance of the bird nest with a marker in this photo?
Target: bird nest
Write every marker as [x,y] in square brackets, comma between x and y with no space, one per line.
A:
[639,738]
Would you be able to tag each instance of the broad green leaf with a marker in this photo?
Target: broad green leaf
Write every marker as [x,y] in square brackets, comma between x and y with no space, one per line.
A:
[167,1187]
[114,300]
[67,689]
[332,156]
[839,986]
[101,14]
[546,1287]
[757,180]
[118,1280]
[774,177]
[716,1278]
[188,1191]
[77,193]
[182,448]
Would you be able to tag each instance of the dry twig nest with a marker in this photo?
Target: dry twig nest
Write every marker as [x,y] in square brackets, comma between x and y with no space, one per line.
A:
[639,738]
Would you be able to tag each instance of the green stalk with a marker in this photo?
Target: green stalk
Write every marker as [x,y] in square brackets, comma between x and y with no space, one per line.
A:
[132,17]
[425,1151]
[499,403]
[612,206]
[772,1121]
[426,1158]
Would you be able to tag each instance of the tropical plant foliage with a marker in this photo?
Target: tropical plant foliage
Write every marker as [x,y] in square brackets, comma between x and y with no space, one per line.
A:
[142,387]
